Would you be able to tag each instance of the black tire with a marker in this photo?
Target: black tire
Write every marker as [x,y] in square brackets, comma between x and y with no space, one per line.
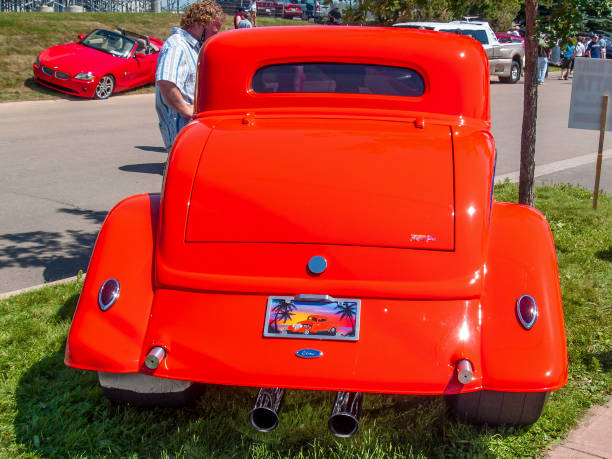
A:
[157,399]
[332,331]
[515,74]
[497,408]
[105,87]
[307,332]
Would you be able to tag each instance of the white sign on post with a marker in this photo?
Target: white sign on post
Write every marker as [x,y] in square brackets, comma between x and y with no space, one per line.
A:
[592,79]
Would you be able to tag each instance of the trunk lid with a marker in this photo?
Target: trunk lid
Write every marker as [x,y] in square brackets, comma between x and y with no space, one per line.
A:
[351,182]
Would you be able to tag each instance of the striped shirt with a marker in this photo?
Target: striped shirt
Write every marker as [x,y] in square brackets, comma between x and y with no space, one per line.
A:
[177,63]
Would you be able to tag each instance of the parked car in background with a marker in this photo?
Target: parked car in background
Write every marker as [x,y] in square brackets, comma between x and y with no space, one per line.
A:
[509,38]
[266,7]
[506,60]
[99,64]
[288,9]
[313,9]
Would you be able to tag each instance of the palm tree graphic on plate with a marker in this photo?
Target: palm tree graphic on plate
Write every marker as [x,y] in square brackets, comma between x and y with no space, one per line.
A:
[282,312]
[348,310]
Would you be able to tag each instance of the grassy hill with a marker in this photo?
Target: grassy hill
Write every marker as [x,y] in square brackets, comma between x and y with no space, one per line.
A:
[24,35]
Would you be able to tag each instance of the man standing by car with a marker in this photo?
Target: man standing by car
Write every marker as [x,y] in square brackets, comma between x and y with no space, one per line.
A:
[176,67]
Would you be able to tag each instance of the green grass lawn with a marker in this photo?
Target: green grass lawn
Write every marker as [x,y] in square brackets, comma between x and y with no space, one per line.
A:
[50,410]
[24,35]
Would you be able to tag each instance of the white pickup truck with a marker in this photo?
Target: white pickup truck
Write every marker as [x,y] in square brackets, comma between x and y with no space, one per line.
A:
[506,60]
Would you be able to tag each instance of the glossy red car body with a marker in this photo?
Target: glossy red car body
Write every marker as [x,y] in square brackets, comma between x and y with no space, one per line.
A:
[259,183]
[314,324]
[57,66]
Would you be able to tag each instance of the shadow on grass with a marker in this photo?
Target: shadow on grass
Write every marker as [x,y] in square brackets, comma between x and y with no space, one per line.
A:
[66,311]
[605,255]
[146,89]
[62,412]
[604,359]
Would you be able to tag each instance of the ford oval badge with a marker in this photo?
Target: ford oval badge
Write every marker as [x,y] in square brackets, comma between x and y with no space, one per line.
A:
[309,353]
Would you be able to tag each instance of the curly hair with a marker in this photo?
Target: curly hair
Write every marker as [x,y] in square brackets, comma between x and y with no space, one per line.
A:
[203,13]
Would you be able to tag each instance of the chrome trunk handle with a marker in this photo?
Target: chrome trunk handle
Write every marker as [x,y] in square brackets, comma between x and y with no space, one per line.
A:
[307,297]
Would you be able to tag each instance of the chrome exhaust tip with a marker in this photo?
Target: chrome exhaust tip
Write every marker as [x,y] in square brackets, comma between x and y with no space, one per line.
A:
[264,415]
[464,371]
[344,419]
[154,357]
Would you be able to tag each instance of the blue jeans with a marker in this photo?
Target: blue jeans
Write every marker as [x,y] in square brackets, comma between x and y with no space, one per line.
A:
[542,67]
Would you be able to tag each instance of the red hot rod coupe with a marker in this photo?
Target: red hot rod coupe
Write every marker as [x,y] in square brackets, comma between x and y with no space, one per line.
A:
[351,176]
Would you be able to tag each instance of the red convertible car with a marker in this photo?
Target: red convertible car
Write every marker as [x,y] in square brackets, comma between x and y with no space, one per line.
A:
[509,38]
[99,64]
[366,188]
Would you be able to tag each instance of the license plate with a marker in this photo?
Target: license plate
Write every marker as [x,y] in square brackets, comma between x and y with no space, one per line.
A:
[312,317]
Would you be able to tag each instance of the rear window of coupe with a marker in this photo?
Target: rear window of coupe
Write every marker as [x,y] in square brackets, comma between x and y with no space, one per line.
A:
[338,78]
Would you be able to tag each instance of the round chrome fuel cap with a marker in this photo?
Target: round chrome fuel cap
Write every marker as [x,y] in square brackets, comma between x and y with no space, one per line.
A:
[317,265]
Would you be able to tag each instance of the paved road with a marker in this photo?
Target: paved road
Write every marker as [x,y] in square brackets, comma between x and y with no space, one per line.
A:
[66,162]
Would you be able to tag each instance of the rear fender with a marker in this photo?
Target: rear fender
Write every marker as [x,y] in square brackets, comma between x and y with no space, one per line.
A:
[112,340]
[522,260]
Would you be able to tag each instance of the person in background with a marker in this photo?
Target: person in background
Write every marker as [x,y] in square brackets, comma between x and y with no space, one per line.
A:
[334,16]
[239,16]
[593,50]
[253,12]
[543,55]
[567,63]
[244,23]
[580,49]
[177,65]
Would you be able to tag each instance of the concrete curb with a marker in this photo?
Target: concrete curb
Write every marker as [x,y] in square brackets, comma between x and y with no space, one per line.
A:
[6,295]
[555,166]
[590,439]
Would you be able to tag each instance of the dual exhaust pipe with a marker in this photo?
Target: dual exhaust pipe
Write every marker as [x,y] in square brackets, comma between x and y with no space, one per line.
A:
[343,421]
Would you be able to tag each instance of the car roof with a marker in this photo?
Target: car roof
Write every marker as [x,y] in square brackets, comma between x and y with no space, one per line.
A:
[456,81]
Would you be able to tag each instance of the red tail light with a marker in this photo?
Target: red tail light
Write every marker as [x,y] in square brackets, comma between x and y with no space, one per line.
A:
[526,311]
[109,292]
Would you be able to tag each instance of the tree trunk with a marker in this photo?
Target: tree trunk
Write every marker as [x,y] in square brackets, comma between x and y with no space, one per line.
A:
[530,106]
